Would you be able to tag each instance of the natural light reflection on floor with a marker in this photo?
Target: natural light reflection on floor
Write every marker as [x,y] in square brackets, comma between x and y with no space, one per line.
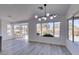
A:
[76,39]
[26,38]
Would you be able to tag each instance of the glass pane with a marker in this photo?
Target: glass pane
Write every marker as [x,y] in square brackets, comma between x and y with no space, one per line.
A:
[44,28]
[47,29]
[50,28]
[57,29]
[17,30]
[38,29]
[9,29]
[24,29]
[76,31]
[70,30]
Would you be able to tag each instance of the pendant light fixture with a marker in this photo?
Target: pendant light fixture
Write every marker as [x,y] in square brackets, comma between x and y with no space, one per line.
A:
[46,14]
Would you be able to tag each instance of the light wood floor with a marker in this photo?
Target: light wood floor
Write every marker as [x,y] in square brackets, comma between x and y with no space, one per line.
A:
[23,47]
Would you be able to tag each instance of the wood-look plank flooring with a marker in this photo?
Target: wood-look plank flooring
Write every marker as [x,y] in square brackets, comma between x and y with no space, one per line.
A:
[23,47]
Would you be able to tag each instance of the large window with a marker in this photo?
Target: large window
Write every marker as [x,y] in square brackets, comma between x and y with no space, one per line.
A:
[74,30]
[50,29]
[70,30]
[47,28]
[57,29]
[17,30]
[24,29]
[9,29]
[39,29]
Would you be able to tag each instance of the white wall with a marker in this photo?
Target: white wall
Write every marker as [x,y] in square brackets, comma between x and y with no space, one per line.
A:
[73,48]
[4,29]
[72,10]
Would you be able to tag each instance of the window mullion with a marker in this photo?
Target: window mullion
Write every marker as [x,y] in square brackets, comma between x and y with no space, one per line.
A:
[53,28]
[73,29]
[41,29]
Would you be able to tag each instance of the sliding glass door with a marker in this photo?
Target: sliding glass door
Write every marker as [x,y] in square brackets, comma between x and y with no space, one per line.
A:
[74,30]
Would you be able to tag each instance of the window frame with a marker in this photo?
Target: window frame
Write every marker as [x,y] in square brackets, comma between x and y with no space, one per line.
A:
[73,19]
[53,28]
[9,28]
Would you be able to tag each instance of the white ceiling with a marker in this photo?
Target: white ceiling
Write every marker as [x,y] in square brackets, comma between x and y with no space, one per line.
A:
[19,12]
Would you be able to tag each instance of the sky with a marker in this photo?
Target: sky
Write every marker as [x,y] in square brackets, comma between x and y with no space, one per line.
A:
[51,24]
[76,23]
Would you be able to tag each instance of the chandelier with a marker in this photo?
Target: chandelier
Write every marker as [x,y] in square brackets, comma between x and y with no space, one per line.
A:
[46,16]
